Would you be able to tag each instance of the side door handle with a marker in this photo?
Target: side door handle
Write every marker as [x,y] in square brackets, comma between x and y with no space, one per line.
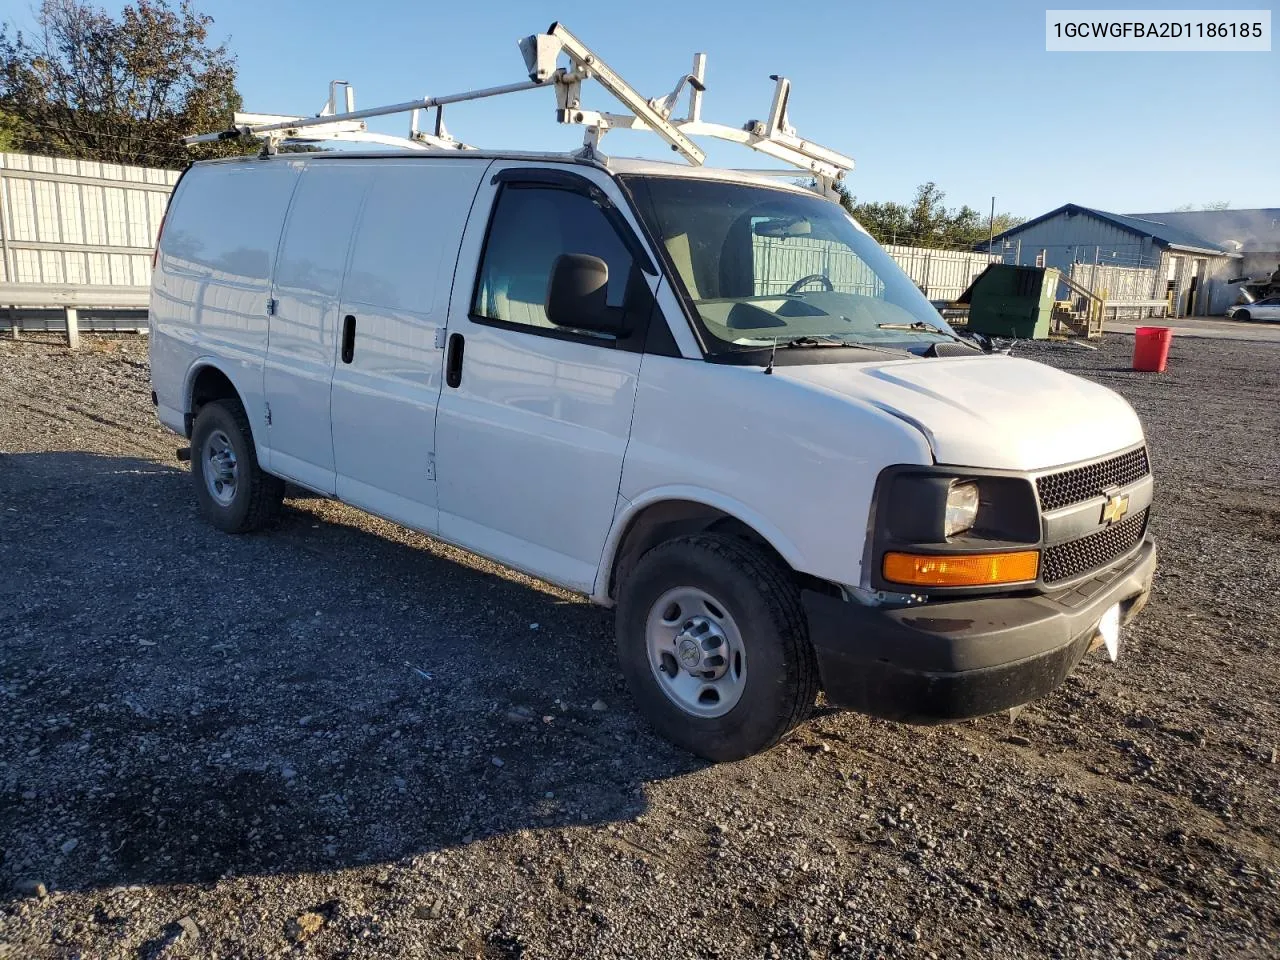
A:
[453,360]
[348,338]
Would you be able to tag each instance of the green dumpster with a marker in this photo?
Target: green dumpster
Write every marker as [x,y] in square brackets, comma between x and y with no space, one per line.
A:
[1007,300]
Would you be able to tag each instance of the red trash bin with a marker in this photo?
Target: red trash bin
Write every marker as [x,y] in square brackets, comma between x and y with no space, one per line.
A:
[1151,348]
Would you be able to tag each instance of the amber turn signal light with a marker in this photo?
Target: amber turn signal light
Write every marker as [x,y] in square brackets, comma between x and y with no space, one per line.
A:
[961,569]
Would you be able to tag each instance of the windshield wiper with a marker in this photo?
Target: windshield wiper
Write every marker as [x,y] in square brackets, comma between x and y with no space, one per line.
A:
[915,325]
[824,340]
[834,340]
[827,340]
[922,326]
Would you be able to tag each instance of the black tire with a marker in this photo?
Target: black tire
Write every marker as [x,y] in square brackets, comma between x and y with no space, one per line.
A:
[257,495]
[781,677]
[1242,315]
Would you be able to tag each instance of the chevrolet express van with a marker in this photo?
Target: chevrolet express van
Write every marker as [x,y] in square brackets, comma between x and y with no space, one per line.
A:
[705,399]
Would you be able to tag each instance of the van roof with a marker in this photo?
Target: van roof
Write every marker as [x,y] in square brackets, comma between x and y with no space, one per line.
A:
[617,165]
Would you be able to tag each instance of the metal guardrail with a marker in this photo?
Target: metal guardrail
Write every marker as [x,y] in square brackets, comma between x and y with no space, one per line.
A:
[71,299]
[73,295]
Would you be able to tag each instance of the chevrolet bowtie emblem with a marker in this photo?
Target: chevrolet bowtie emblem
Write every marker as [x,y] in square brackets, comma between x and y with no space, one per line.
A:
[1115,508]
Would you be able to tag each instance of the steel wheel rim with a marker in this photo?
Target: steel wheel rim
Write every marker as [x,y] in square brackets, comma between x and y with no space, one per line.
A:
[696,652]
[221,469]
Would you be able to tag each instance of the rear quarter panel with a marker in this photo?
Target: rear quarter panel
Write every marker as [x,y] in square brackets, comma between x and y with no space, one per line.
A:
[212,280]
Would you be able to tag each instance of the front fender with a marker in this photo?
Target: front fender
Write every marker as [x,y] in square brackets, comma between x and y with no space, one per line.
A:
[794,461]
[628,510]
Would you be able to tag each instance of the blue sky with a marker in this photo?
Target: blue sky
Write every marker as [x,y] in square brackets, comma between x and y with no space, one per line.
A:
[960,93]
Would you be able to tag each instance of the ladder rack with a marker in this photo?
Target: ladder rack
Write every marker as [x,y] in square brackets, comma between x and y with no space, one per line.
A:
[774,136]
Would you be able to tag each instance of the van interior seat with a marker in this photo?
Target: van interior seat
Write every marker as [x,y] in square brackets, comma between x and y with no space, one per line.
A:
[678,250]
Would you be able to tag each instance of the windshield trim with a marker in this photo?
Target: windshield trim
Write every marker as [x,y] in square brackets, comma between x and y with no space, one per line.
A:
[636,187]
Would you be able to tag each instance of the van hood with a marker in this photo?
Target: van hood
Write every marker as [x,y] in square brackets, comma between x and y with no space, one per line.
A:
[998,412]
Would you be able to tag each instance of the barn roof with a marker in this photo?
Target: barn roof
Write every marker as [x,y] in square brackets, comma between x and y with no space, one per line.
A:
[1249,231]
[1163,233]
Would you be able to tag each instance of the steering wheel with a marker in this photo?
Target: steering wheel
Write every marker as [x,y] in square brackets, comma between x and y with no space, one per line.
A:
[811,278]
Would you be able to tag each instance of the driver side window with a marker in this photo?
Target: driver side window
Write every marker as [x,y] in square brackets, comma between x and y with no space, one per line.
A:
[532,226]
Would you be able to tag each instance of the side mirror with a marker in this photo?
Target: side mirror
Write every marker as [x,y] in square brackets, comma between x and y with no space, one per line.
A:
[576,295]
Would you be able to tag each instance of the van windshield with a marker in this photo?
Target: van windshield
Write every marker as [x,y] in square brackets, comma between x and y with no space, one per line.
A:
[761,265]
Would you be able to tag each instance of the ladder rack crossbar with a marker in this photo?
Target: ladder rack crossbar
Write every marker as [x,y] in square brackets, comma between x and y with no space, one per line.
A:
[426,103]
[774,137]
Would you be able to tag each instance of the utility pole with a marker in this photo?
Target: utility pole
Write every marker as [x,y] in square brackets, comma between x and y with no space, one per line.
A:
[991,225]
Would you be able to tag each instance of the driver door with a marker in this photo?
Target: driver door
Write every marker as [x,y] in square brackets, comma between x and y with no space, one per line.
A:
[534,419]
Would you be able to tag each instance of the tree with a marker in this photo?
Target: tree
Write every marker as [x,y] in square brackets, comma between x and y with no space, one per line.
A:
[926,222]
[13,135]
[887,222]
[124,91]
[929,216]
[1006,221]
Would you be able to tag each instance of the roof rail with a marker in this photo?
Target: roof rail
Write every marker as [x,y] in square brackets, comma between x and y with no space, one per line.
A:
[773,136]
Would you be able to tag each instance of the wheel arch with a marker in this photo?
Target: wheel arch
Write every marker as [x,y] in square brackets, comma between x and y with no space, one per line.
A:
[206,382]
[663,515]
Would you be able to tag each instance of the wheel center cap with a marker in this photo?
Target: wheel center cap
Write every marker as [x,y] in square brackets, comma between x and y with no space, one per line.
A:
[702,648]
[690,654]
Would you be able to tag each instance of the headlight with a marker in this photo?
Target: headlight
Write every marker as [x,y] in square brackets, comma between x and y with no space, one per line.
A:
[962,508]
[940,527]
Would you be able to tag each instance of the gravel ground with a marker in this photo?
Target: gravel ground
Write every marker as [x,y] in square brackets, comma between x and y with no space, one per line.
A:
[342,739]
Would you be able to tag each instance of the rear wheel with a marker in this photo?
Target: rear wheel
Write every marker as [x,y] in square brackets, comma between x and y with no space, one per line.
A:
[234,493]
[713,643]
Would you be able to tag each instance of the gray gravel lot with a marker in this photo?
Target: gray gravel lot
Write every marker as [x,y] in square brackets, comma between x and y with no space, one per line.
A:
[343,739]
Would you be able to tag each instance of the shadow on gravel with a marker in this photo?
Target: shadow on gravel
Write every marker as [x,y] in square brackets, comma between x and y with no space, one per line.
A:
[177,704]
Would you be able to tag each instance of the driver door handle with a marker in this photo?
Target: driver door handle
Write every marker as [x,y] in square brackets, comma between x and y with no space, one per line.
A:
[348,338]
[453,360]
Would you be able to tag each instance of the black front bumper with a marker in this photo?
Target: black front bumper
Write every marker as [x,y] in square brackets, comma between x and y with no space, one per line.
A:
[951,660]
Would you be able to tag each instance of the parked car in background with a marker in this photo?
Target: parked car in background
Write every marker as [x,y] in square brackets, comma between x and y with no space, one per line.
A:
[1268,309]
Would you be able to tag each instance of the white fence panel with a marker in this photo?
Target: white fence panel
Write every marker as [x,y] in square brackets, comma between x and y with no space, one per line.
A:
[1119,283]
[1141,285]
[77,221]
[941,274]
[779,262]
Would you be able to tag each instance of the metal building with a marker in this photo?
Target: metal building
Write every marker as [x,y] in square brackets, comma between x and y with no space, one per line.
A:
[1254,234]
[1154,259]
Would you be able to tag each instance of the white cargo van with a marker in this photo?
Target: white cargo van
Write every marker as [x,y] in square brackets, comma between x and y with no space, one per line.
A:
[704,398]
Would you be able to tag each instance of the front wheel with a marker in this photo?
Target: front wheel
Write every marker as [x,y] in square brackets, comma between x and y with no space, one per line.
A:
[1241,315]
[234,493]
[714,646]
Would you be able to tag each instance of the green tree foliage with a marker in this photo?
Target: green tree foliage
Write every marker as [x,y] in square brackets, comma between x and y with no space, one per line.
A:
[84,84]
[12,133]
[926,221]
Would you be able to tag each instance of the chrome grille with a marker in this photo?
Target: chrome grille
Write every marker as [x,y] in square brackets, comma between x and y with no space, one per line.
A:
[1067,560]
[1083,483]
